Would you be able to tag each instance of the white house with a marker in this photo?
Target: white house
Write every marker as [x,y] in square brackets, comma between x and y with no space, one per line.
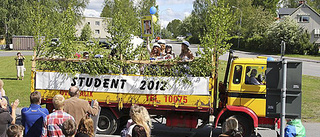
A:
[305,17]
[98,26]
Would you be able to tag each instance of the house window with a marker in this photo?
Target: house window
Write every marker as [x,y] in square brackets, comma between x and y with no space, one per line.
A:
[303,18]
[88,22]
[97,31]
[97,23]
[316,33]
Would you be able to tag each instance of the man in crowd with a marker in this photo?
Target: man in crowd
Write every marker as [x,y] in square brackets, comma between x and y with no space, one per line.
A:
[5,117]
[32,117]
[53,121]
[78,108]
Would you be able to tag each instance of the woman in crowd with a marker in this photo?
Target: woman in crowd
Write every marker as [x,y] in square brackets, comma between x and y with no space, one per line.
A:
[20,65]
[85,128]
[231,128]
[146,116]
[139,126]
[186,54]
[2,91]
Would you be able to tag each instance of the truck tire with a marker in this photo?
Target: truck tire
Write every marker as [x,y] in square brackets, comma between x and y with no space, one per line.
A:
[244,126]
[108,123]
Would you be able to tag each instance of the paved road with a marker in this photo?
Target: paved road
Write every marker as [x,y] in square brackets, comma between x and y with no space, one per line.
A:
[159,130]
[14,53]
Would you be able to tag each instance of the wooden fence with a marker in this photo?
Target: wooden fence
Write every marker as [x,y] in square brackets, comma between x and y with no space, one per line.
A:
[23,42]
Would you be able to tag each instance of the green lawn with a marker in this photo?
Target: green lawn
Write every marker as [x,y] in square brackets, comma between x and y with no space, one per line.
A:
[15,89]
[21,89]
[310,99]
[313,57]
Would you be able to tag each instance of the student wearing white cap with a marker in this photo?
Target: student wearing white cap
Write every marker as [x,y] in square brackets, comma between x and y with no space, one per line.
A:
[168,52]
[156,51]
[186,54]
[162,43]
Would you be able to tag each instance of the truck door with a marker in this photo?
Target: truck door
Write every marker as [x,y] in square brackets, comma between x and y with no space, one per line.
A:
[236,75]
[253,89]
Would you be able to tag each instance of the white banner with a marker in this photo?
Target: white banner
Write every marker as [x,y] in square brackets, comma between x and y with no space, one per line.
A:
[123,84]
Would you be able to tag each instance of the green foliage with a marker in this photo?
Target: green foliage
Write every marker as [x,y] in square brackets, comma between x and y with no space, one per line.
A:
[86,33]
[218,22]
[296,37]
[270,5]
[185,28]
[165,34]
[107,9]
[12,14]
[124,22]
[173,27]
[30,17]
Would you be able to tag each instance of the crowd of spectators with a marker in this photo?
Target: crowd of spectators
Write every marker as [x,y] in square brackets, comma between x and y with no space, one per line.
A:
[70,117]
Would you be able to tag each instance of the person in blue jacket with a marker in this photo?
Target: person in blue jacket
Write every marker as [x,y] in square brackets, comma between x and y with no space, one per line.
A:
[295,129]
[33,116]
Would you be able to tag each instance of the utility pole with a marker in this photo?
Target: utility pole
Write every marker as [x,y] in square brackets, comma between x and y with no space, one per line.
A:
[240,24]
[283,90]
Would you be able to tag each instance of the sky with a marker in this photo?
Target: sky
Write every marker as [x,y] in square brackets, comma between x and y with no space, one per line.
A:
[168,9]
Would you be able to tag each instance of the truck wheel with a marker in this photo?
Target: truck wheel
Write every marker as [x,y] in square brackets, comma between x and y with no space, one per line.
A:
[108,123]
[244,126]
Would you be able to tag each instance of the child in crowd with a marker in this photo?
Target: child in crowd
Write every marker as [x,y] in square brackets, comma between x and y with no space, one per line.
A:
[15,131]
[69,128]
[85,128]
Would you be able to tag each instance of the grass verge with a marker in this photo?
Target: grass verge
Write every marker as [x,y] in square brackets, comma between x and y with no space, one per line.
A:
[310,108]
[16,89]
[312,57]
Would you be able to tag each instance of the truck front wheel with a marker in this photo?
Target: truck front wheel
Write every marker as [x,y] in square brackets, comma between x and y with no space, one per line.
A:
[108,123]
[244,126]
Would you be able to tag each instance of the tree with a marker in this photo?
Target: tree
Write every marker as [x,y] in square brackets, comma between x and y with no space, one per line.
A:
[270,5]
[107,9]
[288,30]
[173,27]
[185,28]
[124,22]
[218,21]
[12,16]
[165,34]
[86,33]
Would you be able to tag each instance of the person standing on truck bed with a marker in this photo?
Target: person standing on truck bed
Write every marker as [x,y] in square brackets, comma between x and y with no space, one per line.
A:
[79,108]
[162,44]
[186,53]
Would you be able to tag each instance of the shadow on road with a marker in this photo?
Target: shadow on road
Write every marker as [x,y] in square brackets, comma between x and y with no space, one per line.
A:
[8,78]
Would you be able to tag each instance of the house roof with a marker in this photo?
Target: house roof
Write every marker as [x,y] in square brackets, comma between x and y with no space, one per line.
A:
[303,6]
[286,11]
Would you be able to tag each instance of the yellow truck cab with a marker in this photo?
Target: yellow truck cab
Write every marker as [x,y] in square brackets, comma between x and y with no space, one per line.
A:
[241,95]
